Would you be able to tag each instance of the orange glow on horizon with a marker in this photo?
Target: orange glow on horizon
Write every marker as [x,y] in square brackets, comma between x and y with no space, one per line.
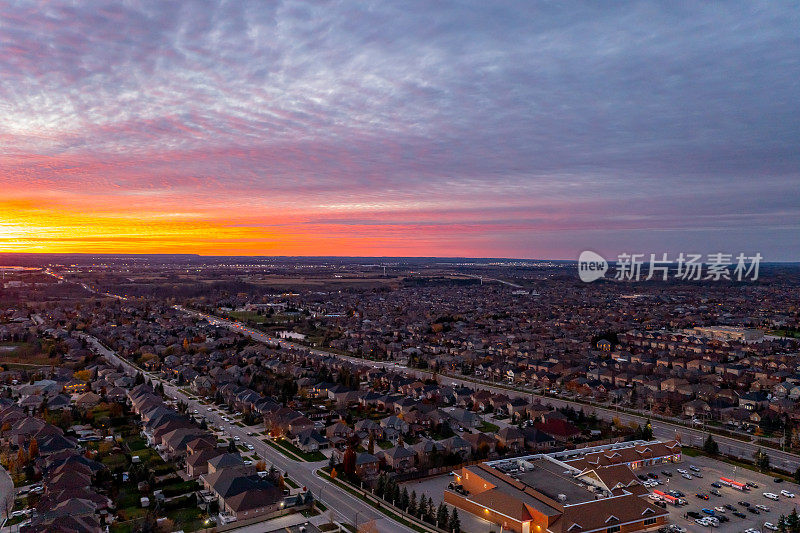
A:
[47,226]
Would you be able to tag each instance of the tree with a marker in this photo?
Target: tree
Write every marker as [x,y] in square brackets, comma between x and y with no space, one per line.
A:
[412,503]
[710,446]
[442,516]
[761,460]
[430,512]
[33,448]
[647,431]
[371,445]
[231,446]
[403,503]
[380,488]
[349,461]
[455,523]
[793,521]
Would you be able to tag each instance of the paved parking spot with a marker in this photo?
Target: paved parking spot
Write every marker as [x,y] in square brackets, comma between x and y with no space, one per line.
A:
[712,470]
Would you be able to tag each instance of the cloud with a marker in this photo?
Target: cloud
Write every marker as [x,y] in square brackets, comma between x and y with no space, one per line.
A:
[510,120]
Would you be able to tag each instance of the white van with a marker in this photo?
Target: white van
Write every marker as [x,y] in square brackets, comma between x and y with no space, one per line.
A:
[771,496]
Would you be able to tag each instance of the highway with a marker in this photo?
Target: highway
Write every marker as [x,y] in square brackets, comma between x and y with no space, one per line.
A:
[662,430]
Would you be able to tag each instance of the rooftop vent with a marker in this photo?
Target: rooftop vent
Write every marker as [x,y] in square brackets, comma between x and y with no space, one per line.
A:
[562,497]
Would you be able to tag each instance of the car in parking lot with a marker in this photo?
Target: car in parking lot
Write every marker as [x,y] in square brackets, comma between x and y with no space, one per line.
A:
[739,514]
[715,492]
[771,496]
[716,485]
[682,471]
[702,496]
[787,494]
[770,526]
[694,514]
[686,476]
[752,485]
[753,510]
[693,468]
[744,504]
[666,473]
[719,509]
[763,508]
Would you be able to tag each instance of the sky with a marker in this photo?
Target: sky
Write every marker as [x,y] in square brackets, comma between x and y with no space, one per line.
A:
[471,129]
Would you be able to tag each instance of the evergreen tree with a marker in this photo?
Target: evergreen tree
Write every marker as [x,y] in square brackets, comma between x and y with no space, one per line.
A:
[412,503]
[430,513]
[782,524]
[793,522]
[403,503]
[380,488]
[761,460]
[442,516]
[455,523]
[647,430]
[710,446]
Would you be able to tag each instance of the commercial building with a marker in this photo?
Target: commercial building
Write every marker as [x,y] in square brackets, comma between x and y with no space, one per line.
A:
[577,491]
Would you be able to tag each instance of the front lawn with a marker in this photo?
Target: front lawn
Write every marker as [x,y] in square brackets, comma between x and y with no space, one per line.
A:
[488,427]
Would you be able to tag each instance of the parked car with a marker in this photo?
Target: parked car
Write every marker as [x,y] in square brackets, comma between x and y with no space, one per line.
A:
[744,504]
[715,492]
[763,508]
[753,510]
[716,485]
[778,480]
[770,526]
[739,514]
[666,473]
[693,468]
[752,485]
[787,494]
[771,496]
[702,496]
[686,476]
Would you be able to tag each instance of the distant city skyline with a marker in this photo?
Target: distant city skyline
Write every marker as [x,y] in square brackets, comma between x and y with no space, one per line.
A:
[471,129]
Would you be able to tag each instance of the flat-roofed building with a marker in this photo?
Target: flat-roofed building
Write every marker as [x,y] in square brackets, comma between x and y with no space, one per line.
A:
[593,490]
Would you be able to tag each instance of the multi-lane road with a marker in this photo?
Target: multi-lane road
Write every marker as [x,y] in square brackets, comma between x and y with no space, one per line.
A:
[346,507]
[662,430]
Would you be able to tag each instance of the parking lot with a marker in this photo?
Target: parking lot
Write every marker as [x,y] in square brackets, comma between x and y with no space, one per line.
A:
[711,471]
